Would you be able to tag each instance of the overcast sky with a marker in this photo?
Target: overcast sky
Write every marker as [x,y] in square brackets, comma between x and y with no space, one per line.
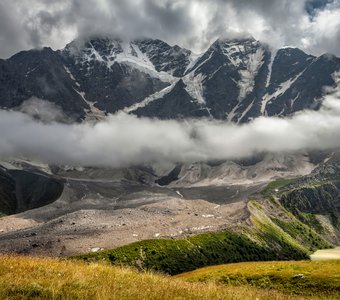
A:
[313,25]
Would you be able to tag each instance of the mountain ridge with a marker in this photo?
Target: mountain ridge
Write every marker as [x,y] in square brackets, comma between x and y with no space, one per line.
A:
[234,79]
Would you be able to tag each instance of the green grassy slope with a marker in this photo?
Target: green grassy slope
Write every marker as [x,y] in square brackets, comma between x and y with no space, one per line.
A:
[176,256]
[272,233]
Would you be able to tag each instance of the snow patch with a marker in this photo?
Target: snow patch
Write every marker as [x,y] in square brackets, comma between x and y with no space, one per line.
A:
[208,216]
[158,95]
[247,82]
[94,114]
[127,53]
[246,111]
[328,158]
[232,51]
[180,194]
[232,114]
[194,67]
[69,72]
[193,58]
[96,249]
[194,86]
[270,67]
[71,76]
[197,228]
[132,54]
[30,71]
[96,54]
[283,87]
[293,100]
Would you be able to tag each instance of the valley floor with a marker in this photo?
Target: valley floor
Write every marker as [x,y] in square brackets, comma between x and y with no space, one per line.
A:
[101,208]
[86,230]
[37,278]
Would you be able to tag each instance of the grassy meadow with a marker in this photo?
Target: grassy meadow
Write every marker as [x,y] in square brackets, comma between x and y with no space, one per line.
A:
[46,278]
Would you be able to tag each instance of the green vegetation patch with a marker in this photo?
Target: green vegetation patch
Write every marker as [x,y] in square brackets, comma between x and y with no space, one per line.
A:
[173,256]
[278,184]
[312,221]
[281,230]
[280,241]
[303,234]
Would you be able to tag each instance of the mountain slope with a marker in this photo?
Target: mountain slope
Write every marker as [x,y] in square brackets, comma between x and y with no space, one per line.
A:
[42,278]
[21,190]
[235,80]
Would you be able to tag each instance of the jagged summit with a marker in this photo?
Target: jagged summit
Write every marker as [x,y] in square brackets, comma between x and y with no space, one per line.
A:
[239,40]
[234,79]
[147,53]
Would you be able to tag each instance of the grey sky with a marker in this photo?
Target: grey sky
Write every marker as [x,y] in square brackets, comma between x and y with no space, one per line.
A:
[313,25]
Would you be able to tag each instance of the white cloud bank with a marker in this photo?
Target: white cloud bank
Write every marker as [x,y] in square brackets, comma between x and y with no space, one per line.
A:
[124,140]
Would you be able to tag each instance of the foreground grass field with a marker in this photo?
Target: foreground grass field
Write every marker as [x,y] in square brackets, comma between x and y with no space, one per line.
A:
[305,278]
[33,278]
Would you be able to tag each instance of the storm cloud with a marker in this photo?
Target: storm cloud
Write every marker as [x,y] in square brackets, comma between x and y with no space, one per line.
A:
[313,25]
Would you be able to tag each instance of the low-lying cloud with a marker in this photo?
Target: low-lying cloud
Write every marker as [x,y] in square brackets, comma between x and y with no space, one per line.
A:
[125,140]
[43,111]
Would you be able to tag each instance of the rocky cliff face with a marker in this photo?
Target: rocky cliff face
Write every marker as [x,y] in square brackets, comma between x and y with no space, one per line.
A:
[23,190]
[319,199]
[314,199]
[234,80]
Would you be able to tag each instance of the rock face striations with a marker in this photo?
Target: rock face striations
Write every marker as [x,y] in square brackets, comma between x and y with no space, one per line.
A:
[234,80]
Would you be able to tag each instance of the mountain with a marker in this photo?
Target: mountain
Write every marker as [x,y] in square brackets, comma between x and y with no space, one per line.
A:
[234,80]
[286,199]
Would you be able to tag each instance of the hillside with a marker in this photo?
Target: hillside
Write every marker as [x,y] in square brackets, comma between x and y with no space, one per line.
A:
[33,278]
[308,278]
[270,233]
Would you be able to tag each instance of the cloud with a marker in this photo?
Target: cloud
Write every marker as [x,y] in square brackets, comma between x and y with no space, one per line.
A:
[313,25]
[43,111]
[124,140]
[11,35]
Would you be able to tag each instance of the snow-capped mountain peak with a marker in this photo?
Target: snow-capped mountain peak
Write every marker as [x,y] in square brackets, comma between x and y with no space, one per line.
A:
[235,79]
[108,51]
[155,55]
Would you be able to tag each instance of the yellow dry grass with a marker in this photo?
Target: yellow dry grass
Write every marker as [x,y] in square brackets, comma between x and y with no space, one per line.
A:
[44,278]
[308,278]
